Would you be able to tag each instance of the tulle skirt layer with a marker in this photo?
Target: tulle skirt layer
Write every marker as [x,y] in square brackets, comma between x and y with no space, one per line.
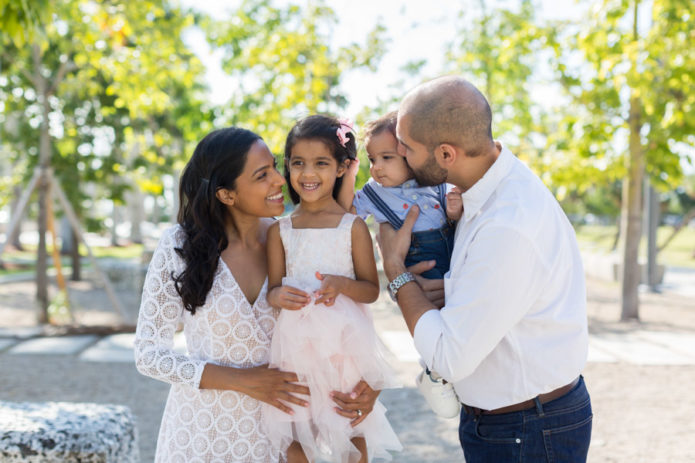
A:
[330,349]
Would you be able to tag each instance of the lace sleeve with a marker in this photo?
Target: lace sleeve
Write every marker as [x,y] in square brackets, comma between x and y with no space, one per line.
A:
[161,310]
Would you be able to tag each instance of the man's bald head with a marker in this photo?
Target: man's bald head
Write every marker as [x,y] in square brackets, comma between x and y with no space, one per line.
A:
[448,110]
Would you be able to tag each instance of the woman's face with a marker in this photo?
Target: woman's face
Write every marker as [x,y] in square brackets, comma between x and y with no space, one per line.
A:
[258,189]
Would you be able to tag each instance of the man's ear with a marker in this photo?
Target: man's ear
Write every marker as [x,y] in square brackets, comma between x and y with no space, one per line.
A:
[446,155]
[225,196]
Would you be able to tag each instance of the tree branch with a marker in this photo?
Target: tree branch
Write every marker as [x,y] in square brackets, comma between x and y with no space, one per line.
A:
[24,72]
[65,67]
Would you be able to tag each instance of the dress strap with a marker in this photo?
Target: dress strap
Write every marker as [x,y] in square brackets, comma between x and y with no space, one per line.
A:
[346,221]
[285,224]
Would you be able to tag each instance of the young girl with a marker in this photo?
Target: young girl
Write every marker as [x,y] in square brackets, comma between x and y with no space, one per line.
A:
[388,196]
[321,270]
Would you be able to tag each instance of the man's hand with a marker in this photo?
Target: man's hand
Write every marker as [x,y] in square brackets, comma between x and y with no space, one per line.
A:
[394,244]
[454,204]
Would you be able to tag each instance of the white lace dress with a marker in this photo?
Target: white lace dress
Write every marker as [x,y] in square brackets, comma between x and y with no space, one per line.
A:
[203,425]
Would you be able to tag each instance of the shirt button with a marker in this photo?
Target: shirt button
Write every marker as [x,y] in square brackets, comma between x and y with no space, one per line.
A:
[414,196]
[425,206]
[518,441]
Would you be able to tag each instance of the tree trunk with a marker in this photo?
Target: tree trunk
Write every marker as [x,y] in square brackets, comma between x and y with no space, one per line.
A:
[44,163]
[136,211]
[14,239]
[618,234]
[115,219]
[76,259]
[632,215]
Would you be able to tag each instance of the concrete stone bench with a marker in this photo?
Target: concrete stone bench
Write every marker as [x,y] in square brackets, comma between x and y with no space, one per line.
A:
[49,432]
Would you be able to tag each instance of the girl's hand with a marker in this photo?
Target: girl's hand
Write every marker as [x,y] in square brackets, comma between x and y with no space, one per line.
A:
[454,204]
[353,167]
[273,387]
[361,398]
[287,297]
[330,288]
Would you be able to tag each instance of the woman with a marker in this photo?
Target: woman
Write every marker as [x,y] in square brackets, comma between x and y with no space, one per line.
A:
[209,273]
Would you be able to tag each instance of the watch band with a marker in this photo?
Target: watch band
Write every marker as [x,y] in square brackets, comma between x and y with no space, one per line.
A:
[400,280]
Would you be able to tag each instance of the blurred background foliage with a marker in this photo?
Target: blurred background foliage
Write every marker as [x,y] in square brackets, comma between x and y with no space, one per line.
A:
[110,96]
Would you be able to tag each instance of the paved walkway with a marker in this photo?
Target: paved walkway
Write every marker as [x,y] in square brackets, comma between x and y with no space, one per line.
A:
[636,347]
[100,369]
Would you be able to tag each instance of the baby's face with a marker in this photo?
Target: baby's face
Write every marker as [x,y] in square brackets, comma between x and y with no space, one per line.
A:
[386,166]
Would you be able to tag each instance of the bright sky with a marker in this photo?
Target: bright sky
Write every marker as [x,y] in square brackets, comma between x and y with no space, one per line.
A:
[416,30]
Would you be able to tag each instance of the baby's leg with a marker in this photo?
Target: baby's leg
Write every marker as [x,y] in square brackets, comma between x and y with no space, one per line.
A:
[295,454]
[361,445]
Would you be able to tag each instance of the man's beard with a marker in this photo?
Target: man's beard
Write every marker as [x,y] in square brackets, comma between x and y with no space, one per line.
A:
[430,174]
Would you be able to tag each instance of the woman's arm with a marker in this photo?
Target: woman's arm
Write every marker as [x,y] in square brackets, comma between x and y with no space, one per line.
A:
[279,296]
[268,385]
[161,310]
[365,287]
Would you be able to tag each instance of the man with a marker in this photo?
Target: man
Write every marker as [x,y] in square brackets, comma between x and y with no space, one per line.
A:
[512,335]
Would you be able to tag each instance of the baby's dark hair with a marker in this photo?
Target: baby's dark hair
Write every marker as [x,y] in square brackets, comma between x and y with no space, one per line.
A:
[387,122]
[325,129]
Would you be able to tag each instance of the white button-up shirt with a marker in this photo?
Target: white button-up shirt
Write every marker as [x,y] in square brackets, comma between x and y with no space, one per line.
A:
[514,322]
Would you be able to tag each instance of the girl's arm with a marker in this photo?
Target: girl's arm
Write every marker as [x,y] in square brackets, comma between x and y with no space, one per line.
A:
[347,190]
[279,296]
[365,287]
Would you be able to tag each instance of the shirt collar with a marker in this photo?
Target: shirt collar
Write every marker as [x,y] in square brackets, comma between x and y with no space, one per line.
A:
[480,192]
[410,183]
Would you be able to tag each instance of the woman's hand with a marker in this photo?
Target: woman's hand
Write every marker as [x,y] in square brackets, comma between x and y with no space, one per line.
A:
[331,286]
[272,386]
[357,404]
[287,297]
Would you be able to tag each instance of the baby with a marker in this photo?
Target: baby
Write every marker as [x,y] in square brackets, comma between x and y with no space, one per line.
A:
[388,196]
[393,190]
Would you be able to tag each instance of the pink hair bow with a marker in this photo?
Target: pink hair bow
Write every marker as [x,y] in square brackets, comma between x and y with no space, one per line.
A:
[342,131]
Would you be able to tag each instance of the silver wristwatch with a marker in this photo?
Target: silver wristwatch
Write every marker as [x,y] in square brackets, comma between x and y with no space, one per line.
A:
[400,280]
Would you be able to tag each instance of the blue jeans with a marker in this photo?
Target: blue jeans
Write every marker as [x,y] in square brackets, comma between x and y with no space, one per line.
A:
[556,431]
[432,245]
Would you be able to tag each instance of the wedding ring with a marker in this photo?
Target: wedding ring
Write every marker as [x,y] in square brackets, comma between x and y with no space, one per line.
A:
[359,413]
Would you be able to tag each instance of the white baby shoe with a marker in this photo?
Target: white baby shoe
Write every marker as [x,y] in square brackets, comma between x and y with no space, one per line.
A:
[439,394]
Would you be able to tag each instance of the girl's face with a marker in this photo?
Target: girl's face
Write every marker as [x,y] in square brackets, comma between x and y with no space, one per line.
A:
[258,189]
[386,166]
[313,170]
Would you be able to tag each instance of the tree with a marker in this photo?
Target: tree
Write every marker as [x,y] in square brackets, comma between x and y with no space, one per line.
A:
[284,64]
[499,49]
[126,70]
[630,110]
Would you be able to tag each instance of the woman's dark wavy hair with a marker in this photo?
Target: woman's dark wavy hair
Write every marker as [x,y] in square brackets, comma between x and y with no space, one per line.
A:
[323,128]
[217,162]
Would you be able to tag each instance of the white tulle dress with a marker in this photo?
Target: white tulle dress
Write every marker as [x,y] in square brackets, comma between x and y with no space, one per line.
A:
[330,348]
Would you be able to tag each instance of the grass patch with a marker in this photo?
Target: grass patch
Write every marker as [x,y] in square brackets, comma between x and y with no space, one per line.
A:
[25,261]
[679,252]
